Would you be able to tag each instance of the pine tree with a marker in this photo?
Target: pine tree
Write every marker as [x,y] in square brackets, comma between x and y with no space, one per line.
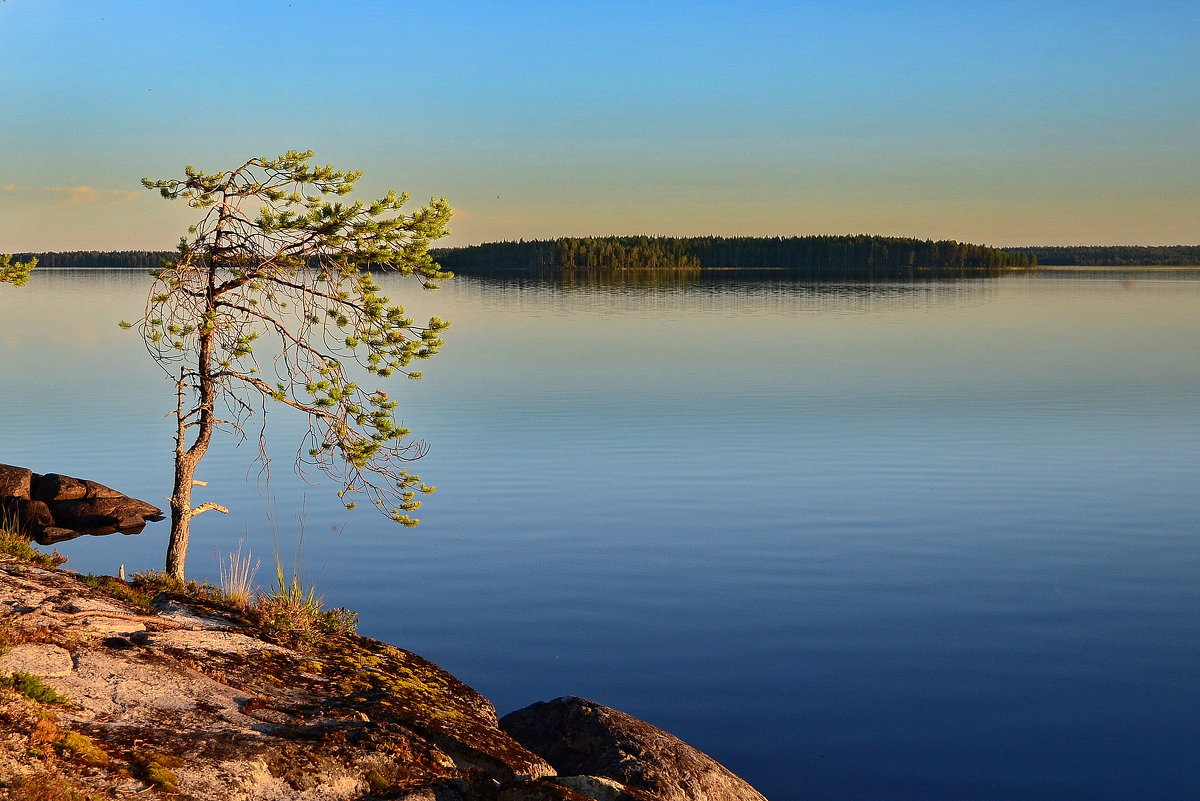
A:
[277,258]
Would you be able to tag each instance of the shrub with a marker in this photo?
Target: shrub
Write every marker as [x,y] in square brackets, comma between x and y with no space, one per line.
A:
[44,785]
[299,613]
[156,581]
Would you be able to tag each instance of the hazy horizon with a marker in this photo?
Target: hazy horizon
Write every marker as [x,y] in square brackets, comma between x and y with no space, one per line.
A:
[1004,124]
[442,245]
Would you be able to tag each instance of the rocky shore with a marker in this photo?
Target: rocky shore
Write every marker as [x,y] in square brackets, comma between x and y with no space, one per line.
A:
[54,508]
[184,698]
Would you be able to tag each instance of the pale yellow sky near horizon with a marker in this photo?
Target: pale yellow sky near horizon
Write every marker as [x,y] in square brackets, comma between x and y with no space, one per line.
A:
[997,123]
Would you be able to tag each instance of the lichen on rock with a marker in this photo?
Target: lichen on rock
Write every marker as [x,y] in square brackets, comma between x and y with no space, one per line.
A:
[185,700]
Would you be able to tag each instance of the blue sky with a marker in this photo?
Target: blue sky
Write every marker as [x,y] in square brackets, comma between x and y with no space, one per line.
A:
[997,122]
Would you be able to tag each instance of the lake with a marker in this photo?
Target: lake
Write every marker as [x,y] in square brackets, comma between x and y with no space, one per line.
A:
[905,541]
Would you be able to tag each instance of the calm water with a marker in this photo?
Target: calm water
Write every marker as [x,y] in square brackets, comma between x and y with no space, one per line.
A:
[932,541]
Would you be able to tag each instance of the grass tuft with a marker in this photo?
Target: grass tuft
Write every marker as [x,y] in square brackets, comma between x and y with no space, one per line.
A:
[32,687]
[298,612]
[237,579]
[156,581]
[15,544]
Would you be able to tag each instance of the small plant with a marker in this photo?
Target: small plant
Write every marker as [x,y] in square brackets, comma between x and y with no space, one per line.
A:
[237,579]
[298,612]
[292,593]
[82,748]
[376,782]
[155,581]
[13,543]
[121,590]
[13,634]
[9,635]
[157,770]
[32,687]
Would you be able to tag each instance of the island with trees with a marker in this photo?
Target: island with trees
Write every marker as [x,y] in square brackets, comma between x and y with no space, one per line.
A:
[822,258]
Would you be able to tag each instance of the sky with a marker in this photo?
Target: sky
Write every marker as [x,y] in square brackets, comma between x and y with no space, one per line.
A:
[1001,123]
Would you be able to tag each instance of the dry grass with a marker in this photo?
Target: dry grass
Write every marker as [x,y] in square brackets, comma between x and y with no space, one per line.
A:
[237,578]
[44,785]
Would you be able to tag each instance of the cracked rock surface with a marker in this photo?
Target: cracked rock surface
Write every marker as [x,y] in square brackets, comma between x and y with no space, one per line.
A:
[188,700]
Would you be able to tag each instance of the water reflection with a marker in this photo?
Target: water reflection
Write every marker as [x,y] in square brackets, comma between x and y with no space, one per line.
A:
[763,291]
[728,505]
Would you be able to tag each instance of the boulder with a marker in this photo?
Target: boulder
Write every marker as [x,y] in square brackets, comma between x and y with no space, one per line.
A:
[53,487]
[120,513]
[15,481]
[53,508]
[582,738]
[52,535]
[29,515]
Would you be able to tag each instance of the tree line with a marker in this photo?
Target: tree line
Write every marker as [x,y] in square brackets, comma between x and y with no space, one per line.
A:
[816,257]
[807,257]
[1113,255]
[117,259]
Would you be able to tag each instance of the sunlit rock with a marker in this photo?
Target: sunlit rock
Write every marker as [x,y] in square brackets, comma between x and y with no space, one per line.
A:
[584,739]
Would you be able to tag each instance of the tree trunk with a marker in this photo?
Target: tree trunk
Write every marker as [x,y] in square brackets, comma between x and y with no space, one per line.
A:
[181,512]
[187,458]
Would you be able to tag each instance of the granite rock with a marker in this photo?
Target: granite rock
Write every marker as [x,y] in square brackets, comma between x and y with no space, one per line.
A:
[582,738]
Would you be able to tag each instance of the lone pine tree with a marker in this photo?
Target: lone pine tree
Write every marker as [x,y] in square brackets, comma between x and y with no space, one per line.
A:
[278,259]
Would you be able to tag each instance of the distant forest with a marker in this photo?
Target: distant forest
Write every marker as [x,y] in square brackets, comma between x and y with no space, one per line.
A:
[125,259]
[811,257]
[1113,255]
[803,257]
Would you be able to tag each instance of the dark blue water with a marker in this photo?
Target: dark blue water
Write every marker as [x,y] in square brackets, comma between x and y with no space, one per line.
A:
[933,541]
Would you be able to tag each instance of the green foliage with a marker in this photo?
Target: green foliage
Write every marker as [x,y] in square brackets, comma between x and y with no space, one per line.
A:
[15,272]
[298,612]
[278,257]
[522,256]
[14,544]
[125,591]
[32,687]
[1113,255]
[82,749]
[153,582]
[858,257]
[88,259]
[157,770]
[376,782]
